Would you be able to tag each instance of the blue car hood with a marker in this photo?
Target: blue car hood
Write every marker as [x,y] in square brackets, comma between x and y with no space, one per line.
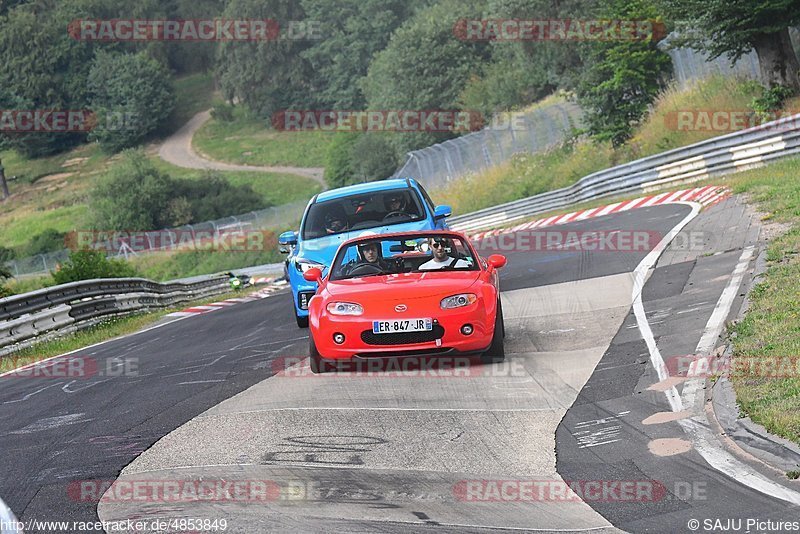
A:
[323,249]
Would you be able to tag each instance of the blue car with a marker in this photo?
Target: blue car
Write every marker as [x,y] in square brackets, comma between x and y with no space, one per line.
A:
[332,217]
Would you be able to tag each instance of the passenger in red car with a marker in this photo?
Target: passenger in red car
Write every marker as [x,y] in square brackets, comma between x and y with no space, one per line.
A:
[441,259]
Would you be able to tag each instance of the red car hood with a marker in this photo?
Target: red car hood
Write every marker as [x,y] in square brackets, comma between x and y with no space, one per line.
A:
[403,286]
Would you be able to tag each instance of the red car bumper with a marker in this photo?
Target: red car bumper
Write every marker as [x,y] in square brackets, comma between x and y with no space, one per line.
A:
[446,338]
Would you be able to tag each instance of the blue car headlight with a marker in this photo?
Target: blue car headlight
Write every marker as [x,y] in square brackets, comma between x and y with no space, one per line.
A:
[304,265]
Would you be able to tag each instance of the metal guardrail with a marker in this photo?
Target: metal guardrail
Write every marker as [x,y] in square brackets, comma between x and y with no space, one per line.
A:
[712,157]
[70,307]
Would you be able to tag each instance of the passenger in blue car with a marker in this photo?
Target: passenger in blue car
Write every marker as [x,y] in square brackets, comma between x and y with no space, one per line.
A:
[335,220]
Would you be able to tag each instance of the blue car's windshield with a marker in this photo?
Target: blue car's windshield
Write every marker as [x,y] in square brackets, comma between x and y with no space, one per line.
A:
[359,212]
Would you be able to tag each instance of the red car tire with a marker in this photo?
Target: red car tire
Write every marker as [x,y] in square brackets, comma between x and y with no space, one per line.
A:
[496,352]
[318,365]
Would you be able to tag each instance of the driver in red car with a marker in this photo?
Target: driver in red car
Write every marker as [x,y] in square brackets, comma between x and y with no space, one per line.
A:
[441,259]
[371,255]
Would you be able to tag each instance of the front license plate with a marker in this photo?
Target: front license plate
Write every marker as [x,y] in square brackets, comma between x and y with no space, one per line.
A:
[402,325]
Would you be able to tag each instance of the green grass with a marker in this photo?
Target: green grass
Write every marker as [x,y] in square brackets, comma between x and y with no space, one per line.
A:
[104,331]
[771,328]
[248,141]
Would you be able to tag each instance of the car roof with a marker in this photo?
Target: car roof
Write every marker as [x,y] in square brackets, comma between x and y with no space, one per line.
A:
[420,233]
[369,187]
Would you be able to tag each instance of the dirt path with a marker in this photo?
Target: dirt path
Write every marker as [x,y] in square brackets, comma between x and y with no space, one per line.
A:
[177,150]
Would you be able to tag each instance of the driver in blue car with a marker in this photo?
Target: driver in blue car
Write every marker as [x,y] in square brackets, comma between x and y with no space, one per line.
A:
[394,203]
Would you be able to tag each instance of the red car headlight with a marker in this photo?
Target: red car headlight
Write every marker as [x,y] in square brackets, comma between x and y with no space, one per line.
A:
[458,301]
[345,308]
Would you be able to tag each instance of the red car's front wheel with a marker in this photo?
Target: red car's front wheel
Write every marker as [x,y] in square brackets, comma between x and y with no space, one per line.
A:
[317,364]
[496,352]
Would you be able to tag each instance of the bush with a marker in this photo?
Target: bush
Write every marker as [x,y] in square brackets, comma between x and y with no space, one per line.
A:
[133,196]
[4,275]
[354,158]
[222,112]
[339,169]
[136,196]
[48,241]
[90,264]
[213,197]
[6,254]
[771,100]
[373,157]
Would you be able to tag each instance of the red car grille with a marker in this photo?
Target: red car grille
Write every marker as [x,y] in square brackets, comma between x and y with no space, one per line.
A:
[402,338]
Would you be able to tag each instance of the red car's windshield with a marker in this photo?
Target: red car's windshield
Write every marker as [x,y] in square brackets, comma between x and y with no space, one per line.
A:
[403,254]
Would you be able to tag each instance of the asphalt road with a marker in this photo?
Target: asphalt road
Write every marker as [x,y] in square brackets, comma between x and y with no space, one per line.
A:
[211,399]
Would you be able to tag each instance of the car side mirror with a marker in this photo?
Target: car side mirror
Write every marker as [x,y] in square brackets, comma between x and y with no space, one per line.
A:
[313,275]
[287,238]
[498,261]
[442,212]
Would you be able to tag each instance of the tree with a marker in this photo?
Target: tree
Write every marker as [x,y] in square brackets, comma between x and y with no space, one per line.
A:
[620,79]
[734,27]
[132,97]
[522,72]
[352,32]
[268,75]
[44,68]
[425,66]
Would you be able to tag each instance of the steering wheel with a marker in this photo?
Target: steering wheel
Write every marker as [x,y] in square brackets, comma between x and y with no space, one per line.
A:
[394,214]
[365,269]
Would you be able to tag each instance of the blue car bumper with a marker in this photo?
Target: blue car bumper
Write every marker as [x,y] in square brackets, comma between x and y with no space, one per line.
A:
[302,291]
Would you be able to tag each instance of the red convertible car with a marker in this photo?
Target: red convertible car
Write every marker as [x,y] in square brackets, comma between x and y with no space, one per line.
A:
[420,294]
